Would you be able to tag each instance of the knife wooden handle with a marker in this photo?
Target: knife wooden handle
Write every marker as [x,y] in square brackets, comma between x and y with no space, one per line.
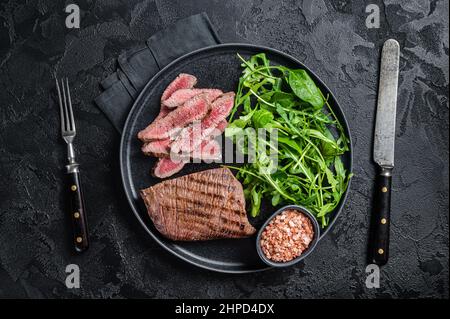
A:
[380,245]
[78,212]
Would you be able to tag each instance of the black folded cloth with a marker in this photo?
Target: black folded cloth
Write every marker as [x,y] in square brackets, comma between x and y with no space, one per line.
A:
[137,67]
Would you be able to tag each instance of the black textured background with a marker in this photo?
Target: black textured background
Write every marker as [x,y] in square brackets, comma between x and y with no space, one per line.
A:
[328,36]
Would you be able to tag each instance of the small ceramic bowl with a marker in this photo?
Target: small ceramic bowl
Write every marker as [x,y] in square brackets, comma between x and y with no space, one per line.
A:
[310,248]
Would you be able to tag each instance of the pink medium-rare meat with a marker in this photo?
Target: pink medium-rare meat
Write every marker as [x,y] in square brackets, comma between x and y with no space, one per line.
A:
[194,109]
[192,136]
[179,97]
[158,148]
[220,128]
[209,150]
[163,111]
[161,148]
[166,167]
[182,81]
[220,109]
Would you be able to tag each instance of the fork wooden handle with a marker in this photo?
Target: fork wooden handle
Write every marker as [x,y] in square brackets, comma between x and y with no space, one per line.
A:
[78,212]
[380,244]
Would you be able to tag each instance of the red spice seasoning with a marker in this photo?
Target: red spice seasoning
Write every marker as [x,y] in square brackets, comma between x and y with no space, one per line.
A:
[287,236]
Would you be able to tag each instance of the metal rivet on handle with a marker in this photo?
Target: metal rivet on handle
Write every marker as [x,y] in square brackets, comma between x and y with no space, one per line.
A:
[76,215]
[384,189]
[383,221]
[73,188]
[381,251]
[79,239]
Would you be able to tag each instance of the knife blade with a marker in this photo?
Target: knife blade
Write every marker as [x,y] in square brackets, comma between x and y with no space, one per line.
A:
[383,149]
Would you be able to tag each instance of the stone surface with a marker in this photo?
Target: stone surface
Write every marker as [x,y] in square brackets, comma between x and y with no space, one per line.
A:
[329,36]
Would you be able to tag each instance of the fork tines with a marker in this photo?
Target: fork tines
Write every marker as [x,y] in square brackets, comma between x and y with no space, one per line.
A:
[65,107]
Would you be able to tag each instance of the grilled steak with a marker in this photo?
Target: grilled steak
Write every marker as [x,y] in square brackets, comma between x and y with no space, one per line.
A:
[208,150]
[221,126]
[158,148]
[161,148]
[163,111]
[181,96]
[192,136]
[182,105]
[192,110]
[166,167]
[200,206]
[182,81]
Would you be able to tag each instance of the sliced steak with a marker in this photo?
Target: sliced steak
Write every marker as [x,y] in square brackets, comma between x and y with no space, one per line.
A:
[220,128]
[209,150]
[157,148]
[161,148]
[194,109]
[166,167]
[163,111]
[179,97]
[200,206]
[182,81]
[192,136]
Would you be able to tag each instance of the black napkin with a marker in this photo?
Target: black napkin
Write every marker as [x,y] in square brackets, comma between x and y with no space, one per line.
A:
[137,67]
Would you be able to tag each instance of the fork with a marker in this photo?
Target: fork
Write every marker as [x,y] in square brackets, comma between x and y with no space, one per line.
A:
[68,132]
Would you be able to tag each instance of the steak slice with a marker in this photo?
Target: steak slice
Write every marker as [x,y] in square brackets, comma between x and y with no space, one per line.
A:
[191,137]
[182,81]
[194,109]
[220,128]
[163,111]
[158,148]
[200,206]
[166,167]
[208,150]
[161,148]
[181,96]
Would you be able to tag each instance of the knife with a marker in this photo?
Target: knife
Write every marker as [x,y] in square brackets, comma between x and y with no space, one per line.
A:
[383,150]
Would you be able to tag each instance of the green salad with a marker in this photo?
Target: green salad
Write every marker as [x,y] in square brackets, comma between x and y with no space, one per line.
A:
[309,170]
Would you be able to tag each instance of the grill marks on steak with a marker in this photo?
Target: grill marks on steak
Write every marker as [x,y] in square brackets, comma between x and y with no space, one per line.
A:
[200,206]
[194,109]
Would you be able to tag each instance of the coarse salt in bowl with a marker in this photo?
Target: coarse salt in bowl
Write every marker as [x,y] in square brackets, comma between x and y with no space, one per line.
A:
[288,236]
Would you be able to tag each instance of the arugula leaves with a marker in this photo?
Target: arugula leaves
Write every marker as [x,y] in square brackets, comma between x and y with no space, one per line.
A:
[310,139]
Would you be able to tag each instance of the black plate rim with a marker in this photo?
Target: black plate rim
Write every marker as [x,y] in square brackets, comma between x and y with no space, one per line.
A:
[136,103]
